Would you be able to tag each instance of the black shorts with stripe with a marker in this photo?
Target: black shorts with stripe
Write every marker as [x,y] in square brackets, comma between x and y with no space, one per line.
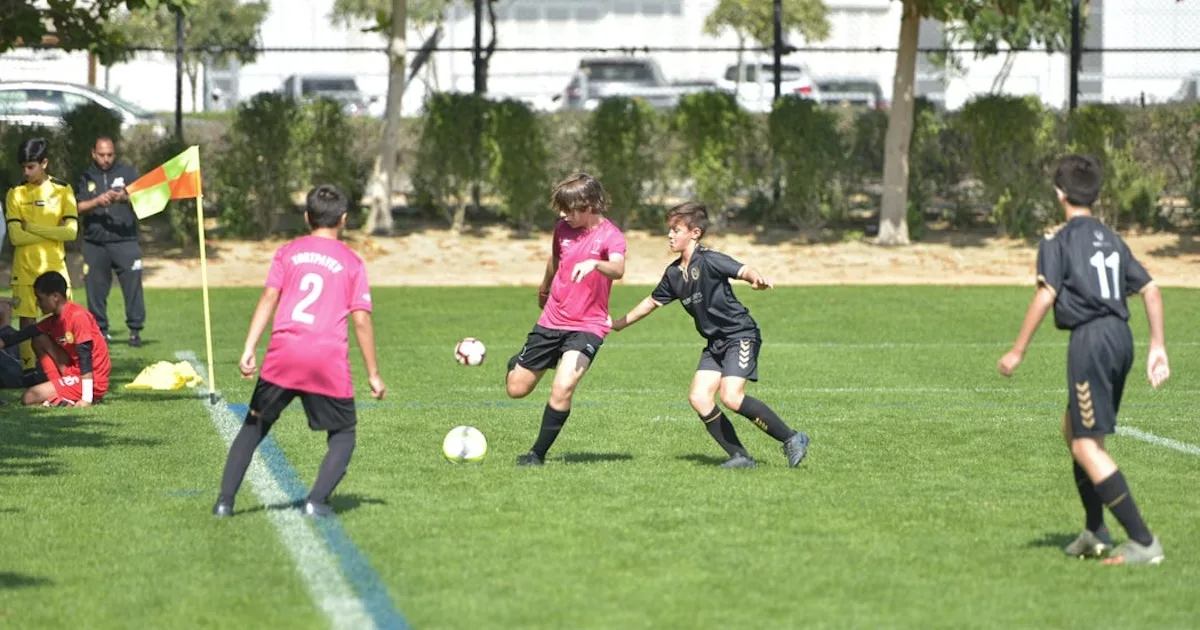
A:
[731,357]
[325,413]
[1099,357]
[545,346]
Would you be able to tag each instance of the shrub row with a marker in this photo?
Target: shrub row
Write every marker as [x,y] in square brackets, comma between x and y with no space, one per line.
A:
[800,166]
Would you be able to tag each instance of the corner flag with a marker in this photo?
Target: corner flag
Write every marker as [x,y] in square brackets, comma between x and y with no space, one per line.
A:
[178,178]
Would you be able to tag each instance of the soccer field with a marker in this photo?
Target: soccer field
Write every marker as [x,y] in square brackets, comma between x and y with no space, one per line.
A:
[936,494]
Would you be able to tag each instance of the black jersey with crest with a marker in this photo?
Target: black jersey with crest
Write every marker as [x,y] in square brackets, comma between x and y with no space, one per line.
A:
[703,290]
[1091,270]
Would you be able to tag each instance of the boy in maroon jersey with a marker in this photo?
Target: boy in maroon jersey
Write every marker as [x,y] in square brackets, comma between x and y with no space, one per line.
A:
[70,348]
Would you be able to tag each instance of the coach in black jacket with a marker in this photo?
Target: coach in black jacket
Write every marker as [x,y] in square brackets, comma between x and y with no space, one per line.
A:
[110,238]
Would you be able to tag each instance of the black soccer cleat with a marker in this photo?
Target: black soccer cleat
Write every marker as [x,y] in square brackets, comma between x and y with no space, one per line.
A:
[312,509]
[135,340]
[222,508]
[796,448]
[529,459]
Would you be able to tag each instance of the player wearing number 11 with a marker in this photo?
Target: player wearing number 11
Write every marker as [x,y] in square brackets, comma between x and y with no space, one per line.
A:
[1084,272]
[315,284]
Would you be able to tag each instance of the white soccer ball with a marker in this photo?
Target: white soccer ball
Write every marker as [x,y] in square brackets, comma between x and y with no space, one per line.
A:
[464,444]
[470,351]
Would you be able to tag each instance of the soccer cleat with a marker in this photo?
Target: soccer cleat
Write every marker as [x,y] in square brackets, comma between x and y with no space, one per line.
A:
[738,460]
[317,510]
[796,447]
[1130,552]
[135,340]
[1089,544]
[223,508]
[529,459]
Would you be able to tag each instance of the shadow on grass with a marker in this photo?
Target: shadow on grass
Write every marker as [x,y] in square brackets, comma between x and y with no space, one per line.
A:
[1051,539]
[31,437]
[341,504]
[594,458]
[702,460]
[10,581]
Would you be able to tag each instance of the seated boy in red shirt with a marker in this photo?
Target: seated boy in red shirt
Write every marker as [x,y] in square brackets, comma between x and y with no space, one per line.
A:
[70,348]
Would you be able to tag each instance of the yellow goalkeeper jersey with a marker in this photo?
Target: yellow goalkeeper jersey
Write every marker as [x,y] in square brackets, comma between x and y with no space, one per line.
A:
[40,217]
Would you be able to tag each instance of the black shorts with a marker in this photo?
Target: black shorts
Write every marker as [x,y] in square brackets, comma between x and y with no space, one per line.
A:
[1099,357]
[731,357]
[325,413]
[545,346]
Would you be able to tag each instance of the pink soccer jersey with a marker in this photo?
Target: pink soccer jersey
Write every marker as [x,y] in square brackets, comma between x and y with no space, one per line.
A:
[581,306]
[320,281]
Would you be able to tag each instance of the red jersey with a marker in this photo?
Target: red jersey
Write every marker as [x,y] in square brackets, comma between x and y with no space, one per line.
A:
[75,326]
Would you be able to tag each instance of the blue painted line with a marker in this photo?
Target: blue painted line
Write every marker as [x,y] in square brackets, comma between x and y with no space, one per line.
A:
[354,564]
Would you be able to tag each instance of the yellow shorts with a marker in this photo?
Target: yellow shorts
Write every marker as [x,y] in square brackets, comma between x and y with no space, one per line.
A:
[24,302]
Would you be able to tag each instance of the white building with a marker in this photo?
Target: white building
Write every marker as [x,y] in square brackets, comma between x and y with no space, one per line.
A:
[617,24]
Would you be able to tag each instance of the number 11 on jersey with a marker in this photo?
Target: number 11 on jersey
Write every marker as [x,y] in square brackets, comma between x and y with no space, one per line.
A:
[1113,263]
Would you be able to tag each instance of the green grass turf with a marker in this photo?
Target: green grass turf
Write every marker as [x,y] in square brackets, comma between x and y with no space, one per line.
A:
[936,495]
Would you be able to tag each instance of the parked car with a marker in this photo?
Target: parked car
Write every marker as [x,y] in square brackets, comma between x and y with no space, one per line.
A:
[756,89]
[339,87]
[852,92]
[638,77]
[43,103]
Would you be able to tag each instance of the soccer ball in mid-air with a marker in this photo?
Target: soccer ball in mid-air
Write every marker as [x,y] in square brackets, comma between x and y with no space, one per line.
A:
[464,444]
[470,351]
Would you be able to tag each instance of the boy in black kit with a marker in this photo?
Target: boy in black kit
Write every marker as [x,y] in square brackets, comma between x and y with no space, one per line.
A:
[1085,271]
[699,279]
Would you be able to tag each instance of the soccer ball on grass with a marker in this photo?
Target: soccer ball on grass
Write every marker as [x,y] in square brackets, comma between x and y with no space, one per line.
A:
[464,444]
[470,351]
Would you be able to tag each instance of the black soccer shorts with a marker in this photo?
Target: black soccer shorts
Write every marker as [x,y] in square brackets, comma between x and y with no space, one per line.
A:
[325,413]
[731,357]
[545,346]
[1099,357]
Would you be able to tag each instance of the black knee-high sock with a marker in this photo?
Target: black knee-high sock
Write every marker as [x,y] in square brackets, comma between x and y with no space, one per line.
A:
[1115,494]
[721,430]
[252,433]
[333,467]
[552,423]
[760,414]
[1092,505]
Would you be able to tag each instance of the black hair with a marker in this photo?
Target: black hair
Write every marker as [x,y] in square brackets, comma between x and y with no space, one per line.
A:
[49,283]
[33,150]
[325,206]
[1080,177]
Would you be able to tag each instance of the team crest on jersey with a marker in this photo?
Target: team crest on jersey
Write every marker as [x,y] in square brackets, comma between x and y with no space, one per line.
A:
[564,243]
[596,246]
[91,187]
[695,273]
[67,338]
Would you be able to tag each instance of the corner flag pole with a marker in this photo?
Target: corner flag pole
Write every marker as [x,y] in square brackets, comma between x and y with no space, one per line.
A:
[212,381]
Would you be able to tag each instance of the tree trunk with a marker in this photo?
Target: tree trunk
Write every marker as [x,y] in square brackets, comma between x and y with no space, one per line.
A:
[893,211]
[192,74]
[1006,68]
[380,218]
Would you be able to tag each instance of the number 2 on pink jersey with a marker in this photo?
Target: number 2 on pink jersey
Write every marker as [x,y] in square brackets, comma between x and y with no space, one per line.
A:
[313,284]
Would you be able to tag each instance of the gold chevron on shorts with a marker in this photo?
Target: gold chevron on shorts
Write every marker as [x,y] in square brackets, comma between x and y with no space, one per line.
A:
[744,353]
[1083,397]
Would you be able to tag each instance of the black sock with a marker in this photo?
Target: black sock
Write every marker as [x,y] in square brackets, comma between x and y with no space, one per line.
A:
[333,467]
[252,433]
[1115,494]
[552,423]
[721,430]
[760,414]
[1092,505]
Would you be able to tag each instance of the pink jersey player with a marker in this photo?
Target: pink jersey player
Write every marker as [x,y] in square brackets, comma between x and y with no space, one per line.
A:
[587,254]
[315,284]
[320,282]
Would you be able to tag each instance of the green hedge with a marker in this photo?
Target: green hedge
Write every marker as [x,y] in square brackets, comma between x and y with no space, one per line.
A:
[800,166]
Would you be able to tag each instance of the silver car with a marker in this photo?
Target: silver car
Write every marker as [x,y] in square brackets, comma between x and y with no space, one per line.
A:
[43,103]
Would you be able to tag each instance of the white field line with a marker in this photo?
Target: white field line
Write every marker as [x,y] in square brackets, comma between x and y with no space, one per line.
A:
[1150,438]
[317,566]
